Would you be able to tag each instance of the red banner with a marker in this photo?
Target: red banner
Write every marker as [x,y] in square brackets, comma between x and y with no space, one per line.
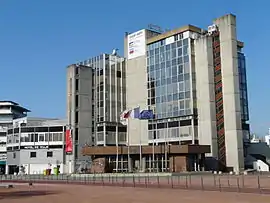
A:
[68,141]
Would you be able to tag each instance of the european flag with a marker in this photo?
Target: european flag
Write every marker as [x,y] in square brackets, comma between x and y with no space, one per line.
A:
[146,115]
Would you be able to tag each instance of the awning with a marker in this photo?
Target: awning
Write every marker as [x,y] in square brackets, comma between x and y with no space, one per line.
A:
[171,149]
[2,162]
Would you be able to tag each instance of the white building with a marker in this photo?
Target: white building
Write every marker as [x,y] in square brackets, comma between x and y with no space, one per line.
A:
[9,111]
[36,144]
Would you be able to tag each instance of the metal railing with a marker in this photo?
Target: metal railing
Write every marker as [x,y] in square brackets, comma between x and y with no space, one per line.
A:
[222,183]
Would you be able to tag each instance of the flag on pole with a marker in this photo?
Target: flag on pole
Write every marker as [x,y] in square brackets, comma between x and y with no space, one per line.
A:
[146,115]
[135,113]
[124,116]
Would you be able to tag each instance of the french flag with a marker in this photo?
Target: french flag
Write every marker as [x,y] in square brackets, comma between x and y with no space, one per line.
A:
[133,113]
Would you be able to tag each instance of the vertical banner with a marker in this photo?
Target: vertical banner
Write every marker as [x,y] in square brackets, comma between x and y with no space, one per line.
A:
[68,141]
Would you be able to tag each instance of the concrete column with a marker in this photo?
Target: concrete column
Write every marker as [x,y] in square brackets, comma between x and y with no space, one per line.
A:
[231,92]
[205,85]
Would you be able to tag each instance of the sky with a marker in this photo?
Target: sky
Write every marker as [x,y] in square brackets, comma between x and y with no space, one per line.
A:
[39,39]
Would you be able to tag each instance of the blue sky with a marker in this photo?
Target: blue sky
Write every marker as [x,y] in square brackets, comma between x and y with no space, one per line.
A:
[38,39]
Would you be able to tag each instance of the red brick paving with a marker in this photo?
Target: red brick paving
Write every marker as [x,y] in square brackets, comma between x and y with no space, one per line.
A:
[99,194]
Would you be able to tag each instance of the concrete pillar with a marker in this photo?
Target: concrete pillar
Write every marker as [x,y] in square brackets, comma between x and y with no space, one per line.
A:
[205,85]
[231,92]
[143,164]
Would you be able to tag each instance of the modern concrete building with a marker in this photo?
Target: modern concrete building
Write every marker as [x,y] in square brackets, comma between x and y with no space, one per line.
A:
[96,90]
[9,111]
[35,144]
[195,82]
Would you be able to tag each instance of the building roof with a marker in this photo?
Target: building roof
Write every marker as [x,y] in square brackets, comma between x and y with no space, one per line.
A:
[180,30]
[35,122]
[8,101]
[13,105]
[173,32]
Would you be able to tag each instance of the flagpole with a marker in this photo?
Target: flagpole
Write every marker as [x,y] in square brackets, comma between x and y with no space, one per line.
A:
[129,168]
[166,135]
[153,155]
[140,146]
[153,148]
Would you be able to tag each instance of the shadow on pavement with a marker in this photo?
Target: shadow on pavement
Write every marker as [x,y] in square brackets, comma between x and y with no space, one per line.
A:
[23,194]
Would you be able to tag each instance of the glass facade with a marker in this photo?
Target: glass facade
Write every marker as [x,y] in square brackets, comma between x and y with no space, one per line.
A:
[169,77]
[108,97]
[243,86]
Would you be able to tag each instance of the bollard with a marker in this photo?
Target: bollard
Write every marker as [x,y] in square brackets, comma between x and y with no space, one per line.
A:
[133,181]
[102,179]
[238,185]
[243,181]
[172,180]
[259,184]
[145,181]
[123,180]
[202,185]
[186,181]
[219,184]
[215,181]
[229,185]
[158,180]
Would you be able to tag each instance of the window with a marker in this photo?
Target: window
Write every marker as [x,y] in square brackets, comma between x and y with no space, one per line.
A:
[118,74]
[33,154]
[76,134]
[32,137]
[76,117]
[77,101]
[36,137]
[77,70]
[41,138]
[49,154]
[50,137]
[77,84]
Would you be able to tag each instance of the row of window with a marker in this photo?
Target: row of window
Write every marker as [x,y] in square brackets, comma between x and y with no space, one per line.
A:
[153,48]
[36,129]
[178,132]
[158,72]
[36,137]
[173,114]
[170,58]
[169,98]
[111,137]
[34,154]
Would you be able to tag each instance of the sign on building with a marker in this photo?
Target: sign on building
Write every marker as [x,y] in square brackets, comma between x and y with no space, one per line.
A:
[136,44]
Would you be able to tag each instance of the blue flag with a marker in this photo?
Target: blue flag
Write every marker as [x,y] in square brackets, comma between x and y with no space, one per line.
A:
[146,115]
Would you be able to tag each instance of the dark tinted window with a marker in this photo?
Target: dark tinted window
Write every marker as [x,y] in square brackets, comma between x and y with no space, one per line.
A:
[56,129]
[33,154]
